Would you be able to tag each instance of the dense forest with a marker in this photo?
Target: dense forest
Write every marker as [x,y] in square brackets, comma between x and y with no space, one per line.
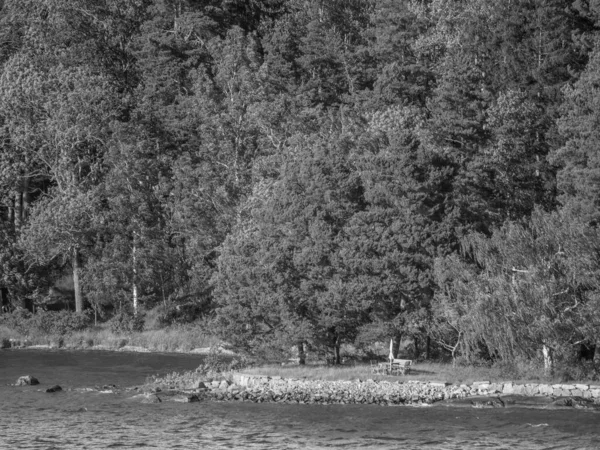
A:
[310,172]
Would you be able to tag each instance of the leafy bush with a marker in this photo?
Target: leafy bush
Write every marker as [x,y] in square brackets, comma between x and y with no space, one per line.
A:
[165,315]
[216,363]
[125,322]
[19,320]
[57,323]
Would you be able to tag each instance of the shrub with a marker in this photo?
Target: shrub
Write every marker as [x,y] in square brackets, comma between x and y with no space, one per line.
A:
[58,323]
[19,320]
[125,322]
[216,363]
[165,315]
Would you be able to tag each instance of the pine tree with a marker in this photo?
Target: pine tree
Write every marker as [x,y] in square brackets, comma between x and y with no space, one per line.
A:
[278,279]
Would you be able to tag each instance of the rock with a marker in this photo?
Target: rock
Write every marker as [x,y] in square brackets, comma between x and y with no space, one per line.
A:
[152,398]
[55,388]
[573,402]
[492,403]
[194,384]
[27,380]
[531,389]
[106,389]
[519,389]
[185,398]
[509,388]
[223,385]
[481,385]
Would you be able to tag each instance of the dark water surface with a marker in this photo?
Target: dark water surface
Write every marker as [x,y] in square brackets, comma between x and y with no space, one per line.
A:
[33,419]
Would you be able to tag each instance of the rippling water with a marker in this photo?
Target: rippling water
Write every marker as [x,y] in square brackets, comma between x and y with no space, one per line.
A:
[33,419]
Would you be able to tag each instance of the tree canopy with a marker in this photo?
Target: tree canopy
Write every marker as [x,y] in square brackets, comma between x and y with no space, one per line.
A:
[303,172]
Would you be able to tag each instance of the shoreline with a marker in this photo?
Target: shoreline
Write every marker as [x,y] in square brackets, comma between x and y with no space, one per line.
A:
[237,386]
[23,345]
[262,389]
[482,394]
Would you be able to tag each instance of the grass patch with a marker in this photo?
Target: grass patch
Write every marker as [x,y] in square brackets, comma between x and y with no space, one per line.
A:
[171,339]
[423,371]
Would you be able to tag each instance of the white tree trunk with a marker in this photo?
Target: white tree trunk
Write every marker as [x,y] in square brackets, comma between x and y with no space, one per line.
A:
[548,360]
[134,288]
[76,283]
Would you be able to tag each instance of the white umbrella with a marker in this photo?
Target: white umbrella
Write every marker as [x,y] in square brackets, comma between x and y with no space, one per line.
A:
[391,349]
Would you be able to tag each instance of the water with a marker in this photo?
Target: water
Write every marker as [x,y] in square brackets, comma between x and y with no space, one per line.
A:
[33,419]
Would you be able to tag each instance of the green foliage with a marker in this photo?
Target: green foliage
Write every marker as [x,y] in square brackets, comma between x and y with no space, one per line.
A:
[216,363]
[535,285]
[306,170]
[278,269]
[49,323]
[165,315]
[125,322]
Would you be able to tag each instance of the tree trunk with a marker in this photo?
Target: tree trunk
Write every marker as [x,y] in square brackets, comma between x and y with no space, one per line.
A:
[396,340]
[26,199]
[134,288]
[336,349]
[18,209]
[11,214]
[417,351]
[76,283]
[428,348]
[301,353]
[548,359]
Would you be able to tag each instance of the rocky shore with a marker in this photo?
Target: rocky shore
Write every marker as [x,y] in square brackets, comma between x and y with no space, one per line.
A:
[260,389]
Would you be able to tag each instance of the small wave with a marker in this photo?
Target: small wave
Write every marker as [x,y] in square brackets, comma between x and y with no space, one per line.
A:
[537,425]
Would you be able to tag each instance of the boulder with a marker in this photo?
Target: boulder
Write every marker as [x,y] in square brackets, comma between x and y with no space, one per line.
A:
[481,385]
[531,389]
[508,388]
[518,389]
[194,384]
[152,398]
[27,380]
[495,388]
[55,388]
[573,402]
[185,398]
